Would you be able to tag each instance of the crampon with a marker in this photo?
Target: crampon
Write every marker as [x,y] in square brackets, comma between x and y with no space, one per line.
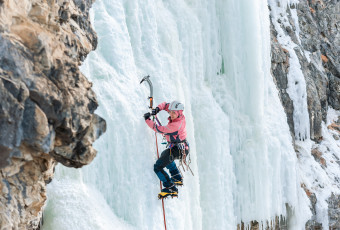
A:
[171,194]
[178,183]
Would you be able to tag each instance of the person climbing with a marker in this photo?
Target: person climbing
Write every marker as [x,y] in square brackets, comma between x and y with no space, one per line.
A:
[175,133]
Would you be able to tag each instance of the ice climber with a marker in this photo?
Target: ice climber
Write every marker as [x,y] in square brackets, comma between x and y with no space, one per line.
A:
[175,133]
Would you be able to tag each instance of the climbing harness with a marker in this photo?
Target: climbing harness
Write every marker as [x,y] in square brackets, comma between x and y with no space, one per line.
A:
[183,159]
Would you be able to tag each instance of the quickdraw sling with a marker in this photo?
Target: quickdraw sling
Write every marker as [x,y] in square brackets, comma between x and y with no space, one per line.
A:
[184,161]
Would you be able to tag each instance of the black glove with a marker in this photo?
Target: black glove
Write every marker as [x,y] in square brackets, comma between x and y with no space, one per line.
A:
[147,116]
[155,111]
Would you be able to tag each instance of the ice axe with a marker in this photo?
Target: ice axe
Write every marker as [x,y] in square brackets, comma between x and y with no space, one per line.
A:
[147,79]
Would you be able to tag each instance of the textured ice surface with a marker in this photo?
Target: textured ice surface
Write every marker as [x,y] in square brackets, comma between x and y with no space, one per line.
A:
[214,56]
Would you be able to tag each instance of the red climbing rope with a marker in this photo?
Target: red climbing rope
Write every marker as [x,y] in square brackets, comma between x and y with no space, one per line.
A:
[160,183]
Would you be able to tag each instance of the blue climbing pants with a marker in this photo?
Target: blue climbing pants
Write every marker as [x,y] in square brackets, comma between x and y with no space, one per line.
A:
[167,160]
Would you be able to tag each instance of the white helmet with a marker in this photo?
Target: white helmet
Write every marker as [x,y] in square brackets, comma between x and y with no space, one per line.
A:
[175,106]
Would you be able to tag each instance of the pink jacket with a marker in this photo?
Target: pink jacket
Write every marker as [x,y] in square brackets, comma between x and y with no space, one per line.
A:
[175,130]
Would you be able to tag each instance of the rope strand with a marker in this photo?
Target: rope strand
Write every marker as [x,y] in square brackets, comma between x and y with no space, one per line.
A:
[160,183]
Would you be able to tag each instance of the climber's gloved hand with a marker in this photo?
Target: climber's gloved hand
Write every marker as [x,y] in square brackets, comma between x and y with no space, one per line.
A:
[147,116]
[155,111]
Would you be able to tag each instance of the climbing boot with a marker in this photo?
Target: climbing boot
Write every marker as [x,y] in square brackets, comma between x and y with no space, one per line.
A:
[177,180]
[166,192]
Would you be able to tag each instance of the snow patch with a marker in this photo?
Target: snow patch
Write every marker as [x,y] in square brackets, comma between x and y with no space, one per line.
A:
[321,171]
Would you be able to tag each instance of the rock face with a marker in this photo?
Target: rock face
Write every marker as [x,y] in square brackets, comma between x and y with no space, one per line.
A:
[316,38]
[47,105]
[279,223]
[319,35]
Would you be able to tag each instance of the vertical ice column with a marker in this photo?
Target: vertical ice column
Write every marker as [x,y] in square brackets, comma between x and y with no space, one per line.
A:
[260,143]
[211,123]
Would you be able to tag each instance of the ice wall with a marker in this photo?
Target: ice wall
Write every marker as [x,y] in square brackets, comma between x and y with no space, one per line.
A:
[214,57]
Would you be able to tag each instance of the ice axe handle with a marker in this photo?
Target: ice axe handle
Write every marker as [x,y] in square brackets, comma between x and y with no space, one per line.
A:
[151,102]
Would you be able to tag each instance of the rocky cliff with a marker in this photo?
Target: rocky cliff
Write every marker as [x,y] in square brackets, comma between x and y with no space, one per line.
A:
[47,105]
[311,28]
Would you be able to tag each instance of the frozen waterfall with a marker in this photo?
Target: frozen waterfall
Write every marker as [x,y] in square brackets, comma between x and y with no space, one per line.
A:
[214,56]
